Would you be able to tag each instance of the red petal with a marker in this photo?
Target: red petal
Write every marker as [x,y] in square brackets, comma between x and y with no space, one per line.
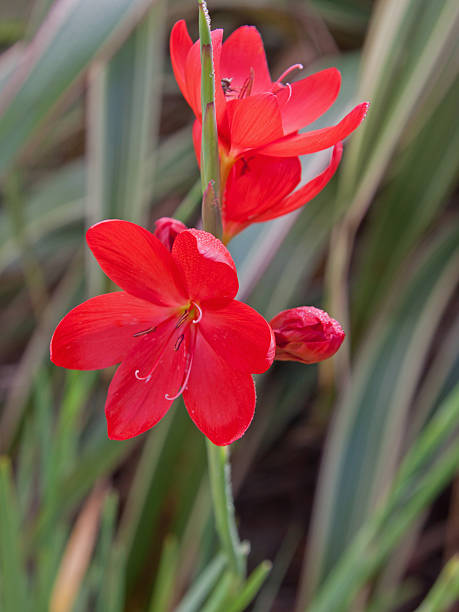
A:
[306,193]
[302,102]
[100,332]
[255,185]
[242,51]
[223,137]
[240,336]
[136,261]
[311,142]
[219,399]
[193,76]
[254,121]
[180,44]
[207,265]
[134,405]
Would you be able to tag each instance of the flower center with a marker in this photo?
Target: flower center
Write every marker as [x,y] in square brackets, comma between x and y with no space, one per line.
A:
[182,337]
[244,91]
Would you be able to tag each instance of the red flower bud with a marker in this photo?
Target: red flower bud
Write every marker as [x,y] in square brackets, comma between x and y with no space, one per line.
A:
[167,229]
[306,334]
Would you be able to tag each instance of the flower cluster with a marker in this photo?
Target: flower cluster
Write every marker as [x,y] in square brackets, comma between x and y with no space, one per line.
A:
[175,327]
[258,125]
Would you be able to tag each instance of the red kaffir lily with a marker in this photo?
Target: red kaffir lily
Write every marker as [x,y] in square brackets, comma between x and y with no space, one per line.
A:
[258,125]
[253,112]
[176,329]
[306,334]
[167,229]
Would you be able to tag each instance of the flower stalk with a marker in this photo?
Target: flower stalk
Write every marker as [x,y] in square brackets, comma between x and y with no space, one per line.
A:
[210,163]
[217,456]
[220,480]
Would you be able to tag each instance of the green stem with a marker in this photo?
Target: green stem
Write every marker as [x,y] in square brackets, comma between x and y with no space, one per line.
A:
[218,456]
[210,162]
[222,497]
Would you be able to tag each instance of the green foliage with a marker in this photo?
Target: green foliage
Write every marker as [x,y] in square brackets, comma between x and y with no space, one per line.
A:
[92,126]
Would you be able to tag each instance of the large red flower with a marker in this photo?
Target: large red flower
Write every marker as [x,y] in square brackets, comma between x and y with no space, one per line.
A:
[176,329]
[253,112]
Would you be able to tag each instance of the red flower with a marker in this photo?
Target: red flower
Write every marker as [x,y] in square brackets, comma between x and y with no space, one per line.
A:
[258,125]
[253,112]
[167,229]
[306,334]
[261,188]
[175,328]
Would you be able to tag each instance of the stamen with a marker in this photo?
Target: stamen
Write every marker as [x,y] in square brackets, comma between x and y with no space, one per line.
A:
[179,342]
[200,313]
[289,91]
[246,88]
[288,71]
[145,378]
[145,331]
[185,382]
[182,319]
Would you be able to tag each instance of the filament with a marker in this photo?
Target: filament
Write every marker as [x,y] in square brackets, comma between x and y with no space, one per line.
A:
[289,70]
[145,378]
[185,382]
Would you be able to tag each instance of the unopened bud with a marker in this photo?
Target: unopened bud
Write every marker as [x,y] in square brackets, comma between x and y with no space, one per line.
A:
[167,229]
[306,334]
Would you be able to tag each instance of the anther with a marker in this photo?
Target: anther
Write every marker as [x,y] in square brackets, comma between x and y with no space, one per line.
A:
[289,70]
[145,331]
[182,319]
[246,88]
[179,342]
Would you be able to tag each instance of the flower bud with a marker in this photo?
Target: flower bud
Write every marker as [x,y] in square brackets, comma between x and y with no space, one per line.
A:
[306,334]
[167,229]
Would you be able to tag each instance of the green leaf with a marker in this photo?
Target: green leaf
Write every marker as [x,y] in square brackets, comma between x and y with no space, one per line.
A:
[250,589]
[124,106]
[366,435]
[14,580]
[426,470]
[72,36]
[202,586]
[445,592]
[164,583]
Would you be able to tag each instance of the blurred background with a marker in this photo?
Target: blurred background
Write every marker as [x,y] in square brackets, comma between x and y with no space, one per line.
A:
[347,478]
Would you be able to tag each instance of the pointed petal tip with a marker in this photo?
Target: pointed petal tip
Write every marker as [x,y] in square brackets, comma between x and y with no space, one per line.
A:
[364,109]
[117,432]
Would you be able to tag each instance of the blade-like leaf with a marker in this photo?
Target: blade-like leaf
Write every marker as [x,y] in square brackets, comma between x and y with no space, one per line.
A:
[73,34]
